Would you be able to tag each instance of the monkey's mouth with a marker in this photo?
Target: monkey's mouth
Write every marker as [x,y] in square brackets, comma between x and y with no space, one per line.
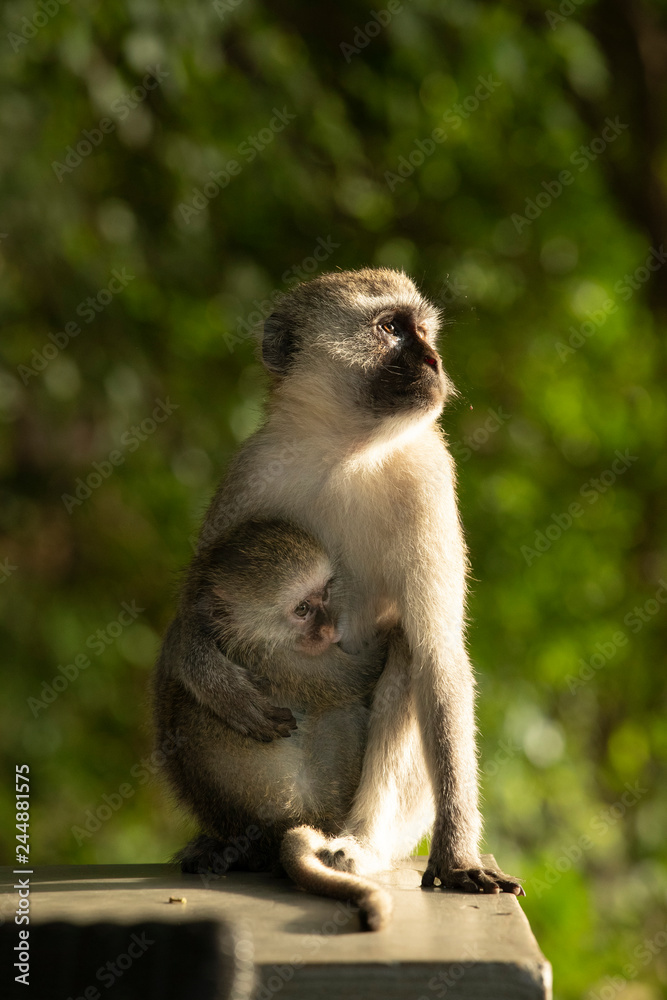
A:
[408,381]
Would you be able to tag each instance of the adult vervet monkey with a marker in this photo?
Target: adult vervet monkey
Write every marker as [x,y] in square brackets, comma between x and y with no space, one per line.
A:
[359,386]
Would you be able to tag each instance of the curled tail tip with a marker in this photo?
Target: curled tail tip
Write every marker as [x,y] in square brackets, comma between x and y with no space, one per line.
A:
[376,910]
[300,859]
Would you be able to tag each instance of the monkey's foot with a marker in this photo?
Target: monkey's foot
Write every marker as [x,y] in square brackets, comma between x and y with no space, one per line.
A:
[471,879]
[347,854]
[202,854]
[338,859]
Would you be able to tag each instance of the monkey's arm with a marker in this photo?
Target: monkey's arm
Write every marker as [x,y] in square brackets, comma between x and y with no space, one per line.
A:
[444,701]
[433,616]
[190,653]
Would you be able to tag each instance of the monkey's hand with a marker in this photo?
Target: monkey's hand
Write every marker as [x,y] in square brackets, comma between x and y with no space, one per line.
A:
[261,721]
[473,879]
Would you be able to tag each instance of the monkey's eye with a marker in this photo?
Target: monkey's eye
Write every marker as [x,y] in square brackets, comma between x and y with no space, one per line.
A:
[301,610]
[389,328]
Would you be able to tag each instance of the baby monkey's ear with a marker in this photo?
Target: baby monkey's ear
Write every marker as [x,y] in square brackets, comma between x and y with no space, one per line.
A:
[278,345]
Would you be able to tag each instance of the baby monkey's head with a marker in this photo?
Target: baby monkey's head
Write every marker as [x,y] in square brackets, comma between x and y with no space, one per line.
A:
[268,586]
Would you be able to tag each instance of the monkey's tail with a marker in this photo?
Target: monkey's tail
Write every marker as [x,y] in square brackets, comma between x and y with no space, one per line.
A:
[299,856]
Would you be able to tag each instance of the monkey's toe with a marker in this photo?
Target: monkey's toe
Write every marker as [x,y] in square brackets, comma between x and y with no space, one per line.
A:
[338,860]
[506,883]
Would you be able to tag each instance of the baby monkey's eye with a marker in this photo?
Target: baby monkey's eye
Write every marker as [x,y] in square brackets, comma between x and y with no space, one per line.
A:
[301,610]
[388,327]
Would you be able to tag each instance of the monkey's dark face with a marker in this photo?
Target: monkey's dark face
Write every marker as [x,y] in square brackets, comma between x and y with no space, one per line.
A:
[407,374]
[313,622]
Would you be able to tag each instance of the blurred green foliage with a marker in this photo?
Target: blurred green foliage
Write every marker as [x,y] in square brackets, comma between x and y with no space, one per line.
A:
[116,118]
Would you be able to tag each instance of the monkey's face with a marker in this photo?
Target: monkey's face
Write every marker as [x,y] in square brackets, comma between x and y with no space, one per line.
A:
[312,622]
[358,343]
[406,374]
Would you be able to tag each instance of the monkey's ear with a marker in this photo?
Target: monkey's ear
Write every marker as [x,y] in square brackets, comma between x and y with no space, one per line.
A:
[278,344]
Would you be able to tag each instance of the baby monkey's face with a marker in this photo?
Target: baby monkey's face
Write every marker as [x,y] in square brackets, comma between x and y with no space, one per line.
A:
[313,622]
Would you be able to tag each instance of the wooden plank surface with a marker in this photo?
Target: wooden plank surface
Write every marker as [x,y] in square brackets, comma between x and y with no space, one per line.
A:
[439,943]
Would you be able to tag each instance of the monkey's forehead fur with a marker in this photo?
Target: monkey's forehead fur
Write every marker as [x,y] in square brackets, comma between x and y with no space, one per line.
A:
[363,293]
[276,553]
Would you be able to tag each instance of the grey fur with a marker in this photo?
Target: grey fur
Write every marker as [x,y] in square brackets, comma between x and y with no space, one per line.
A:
[371,477]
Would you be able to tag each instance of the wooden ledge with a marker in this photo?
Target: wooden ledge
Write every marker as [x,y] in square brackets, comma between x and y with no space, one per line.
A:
[298,946]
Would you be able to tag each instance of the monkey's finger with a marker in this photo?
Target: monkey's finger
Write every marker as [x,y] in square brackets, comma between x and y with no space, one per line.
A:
[283,720]
[280,721]
[458,878]
[282,715]
[506,882]
[484,880]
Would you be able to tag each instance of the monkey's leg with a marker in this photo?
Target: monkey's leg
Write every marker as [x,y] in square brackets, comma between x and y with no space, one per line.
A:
[393,805]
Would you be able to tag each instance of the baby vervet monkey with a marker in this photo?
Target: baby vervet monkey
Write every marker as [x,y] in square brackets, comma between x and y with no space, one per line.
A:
[269,599]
